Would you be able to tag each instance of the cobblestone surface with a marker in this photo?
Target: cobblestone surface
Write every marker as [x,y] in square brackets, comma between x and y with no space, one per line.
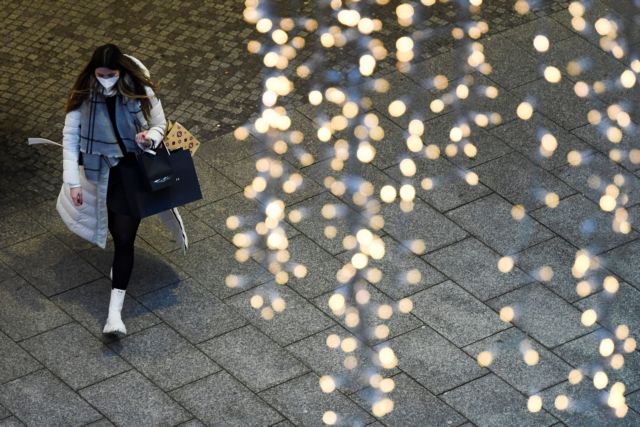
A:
[196,352]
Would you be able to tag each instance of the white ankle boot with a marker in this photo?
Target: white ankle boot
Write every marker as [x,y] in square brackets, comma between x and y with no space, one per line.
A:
[114,323]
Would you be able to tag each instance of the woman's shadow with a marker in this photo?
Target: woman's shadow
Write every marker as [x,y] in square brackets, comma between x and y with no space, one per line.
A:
[88,303]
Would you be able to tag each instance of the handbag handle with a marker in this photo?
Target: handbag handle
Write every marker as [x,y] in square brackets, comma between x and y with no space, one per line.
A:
[152,151]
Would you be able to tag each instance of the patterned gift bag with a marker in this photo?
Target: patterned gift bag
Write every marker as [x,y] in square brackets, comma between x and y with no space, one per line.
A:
[177,136]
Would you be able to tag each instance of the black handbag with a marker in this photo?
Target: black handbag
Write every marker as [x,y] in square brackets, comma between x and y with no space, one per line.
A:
[156,169]
[185,188]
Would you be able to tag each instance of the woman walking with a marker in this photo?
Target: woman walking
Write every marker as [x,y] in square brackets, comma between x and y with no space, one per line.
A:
[112,112]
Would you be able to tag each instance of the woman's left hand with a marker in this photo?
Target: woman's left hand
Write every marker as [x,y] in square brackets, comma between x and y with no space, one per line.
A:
[143,140]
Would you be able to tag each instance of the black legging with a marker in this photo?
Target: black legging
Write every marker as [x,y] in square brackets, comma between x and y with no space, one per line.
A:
[123,230]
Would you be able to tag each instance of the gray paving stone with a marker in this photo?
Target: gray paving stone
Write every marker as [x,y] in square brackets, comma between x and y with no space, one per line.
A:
[302,401]
[310,143]
[415,97]
[212,274]
[48,264]
[627,98]
[538,312]
[521,182]
[3,412]
[583,353]
[321,268]
[633,400]
[5,272]
[500,52]
[456,314]
[413,405]
[613,310]
[17,227]
[397,324]
[153,231]
[131,399]
[192,423]
[315,352]
[624,10]
[41,399]
[597,64]
[504,104]
[75,356]
[194,312]
[151,270]
[617,260]
[524,34]
[307,188]
[215,214]
[397,261]
[46,215]
[559,256]
[558,101]
[585,408]
[489,219]
[433,361]
[596,137]
[319,113]
[508,362]
[438,130]
[240,173]
[524,136]
[226,149]
[450,64]
[213,184]
[474,266]
[313,223]
[298,320]
[367,172]
[165,357]
[392,147]
[25,312]
[253,358]
[489,401]
[596,9]
[221,400]
[14,362]
[248,212]
[101,423]
[89,305]
[633,216]
[11,422]
[582,223]
[604,170]
[423,223]
[449,190]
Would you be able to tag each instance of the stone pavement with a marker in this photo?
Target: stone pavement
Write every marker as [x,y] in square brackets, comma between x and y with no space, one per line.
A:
[198,354]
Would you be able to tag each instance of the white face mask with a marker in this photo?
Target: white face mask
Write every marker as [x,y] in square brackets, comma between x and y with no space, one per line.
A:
[108,83]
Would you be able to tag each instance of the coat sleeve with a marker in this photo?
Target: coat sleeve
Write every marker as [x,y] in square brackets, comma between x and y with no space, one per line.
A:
[71,149]
[157,120]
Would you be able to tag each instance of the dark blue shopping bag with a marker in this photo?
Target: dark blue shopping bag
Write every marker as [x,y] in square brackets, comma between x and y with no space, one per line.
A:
[185,189]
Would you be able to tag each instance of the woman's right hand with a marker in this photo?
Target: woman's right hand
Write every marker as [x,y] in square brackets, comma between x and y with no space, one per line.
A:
[76,195]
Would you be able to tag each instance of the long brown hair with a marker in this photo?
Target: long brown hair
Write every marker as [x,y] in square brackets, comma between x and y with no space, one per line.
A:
[110,56]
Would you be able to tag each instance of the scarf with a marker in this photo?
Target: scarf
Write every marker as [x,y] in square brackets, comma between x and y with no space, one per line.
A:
[98,141]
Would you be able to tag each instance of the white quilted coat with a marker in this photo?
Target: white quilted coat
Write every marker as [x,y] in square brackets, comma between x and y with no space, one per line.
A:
[89,220]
